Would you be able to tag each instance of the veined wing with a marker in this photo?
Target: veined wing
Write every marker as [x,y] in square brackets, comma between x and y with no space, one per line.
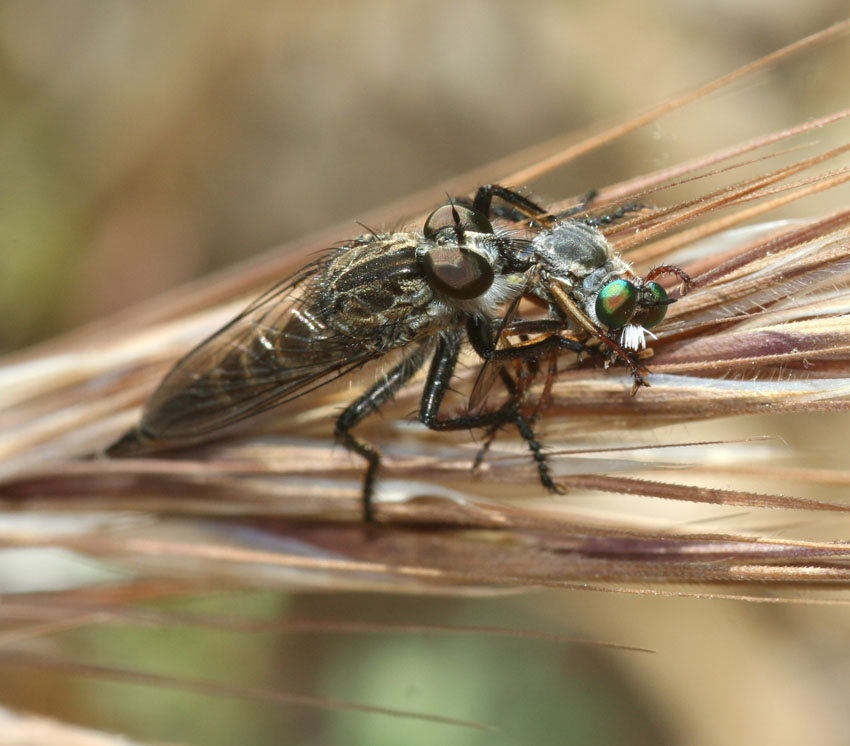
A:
[278,348]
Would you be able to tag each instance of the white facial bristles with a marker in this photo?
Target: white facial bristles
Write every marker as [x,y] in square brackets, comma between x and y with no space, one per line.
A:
[633,337]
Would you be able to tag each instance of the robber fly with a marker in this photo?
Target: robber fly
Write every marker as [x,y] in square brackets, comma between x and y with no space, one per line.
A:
[424,293]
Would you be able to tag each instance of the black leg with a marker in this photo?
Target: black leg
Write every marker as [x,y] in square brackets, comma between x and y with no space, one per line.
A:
[518,391]
[480,336]
[436,385]
[583,206]
[369,402]
[484,198]
[610,218]
[484,340]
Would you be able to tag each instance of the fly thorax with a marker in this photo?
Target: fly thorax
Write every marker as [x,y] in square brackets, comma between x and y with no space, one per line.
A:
[572,249]
[375,292]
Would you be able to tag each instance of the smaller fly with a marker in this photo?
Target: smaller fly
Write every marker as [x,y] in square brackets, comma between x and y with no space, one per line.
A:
[591,293]
[421,293]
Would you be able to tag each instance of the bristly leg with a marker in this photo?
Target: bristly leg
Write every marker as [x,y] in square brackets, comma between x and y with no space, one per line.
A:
[518,395]
[669,269]
[610,218]
[369,402]
[484,344]
[484,198]
[440,374]
[483,202]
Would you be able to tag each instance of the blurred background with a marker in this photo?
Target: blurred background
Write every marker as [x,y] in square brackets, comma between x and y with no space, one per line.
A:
[145,144]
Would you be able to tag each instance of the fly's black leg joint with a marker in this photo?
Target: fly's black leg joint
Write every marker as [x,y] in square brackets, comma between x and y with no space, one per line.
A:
[534,445]
[610,218]
[489,437]
[361,408]
[484,198]
[439,375]
[480,338]
[586,201]
[373,462]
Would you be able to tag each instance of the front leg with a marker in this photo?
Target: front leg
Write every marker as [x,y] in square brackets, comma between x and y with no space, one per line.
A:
[481,338]
[484,198]
[436,385]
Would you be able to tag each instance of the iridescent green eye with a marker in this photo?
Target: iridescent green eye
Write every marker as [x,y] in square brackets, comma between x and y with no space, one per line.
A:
[616,303]
[656,297]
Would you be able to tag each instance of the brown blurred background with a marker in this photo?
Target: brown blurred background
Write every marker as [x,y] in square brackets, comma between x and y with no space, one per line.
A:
[146,143]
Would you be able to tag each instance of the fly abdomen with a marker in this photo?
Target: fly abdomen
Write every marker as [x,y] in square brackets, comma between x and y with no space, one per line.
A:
[261,363]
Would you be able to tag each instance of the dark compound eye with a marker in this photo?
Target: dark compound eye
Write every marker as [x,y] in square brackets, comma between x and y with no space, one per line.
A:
[458,217]
[616,303]
[458,272]
[655,297]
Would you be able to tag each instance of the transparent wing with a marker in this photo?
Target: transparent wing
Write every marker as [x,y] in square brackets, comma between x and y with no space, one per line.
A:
[491,371]
[278,348]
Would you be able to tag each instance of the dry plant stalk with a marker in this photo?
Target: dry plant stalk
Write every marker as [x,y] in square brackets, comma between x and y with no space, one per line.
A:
[275,504]
[766,329]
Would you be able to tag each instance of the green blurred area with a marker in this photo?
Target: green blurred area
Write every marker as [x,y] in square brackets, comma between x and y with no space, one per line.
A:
[719,672]
[525,690]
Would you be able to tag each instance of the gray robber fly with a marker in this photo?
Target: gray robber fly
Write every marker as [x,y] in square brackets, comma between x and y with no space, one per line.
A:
[424,293]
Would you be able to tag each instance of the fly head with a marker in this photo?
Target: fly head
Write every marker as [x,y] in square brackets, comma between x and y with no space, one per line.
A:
[462,259]
[603,291]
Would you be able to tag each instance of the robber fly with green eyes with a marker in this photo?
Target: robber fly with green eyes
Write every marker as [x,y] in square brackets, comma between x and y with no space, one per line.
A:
[426,294]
